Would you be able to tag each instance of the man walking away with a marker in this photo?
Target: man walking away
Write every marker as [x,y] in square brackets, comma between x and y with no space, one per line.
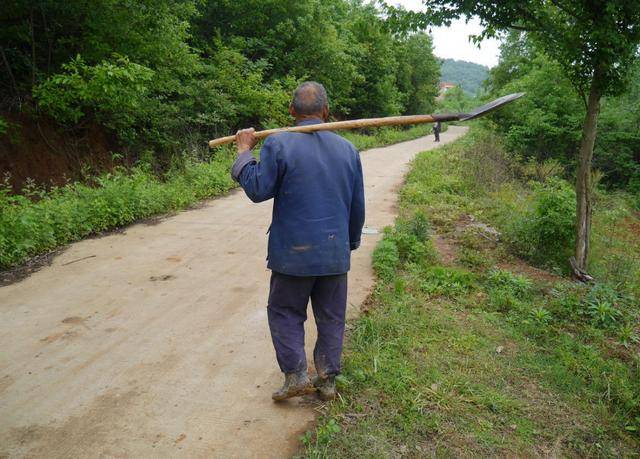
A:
[437,127]
[316,182]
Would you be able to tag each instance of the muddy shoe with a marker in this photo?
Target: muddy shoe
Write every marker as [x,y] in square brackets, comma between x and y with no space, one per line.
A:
[295,384]
[326,387]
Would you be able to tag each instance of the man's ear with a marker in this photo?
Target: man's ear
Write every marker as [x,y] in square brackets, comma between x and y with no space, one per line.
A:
[292,111]
[325,113]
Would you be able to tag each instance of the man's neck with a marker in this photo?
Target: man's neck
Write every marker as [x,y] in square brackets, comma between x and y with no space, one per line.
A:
[302,118]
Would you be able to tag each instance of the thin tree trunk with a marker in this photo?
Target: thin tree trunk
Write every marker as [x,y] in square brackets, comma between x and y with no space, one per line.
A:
[9,72]
[583,179]
[33,52]
[49,40]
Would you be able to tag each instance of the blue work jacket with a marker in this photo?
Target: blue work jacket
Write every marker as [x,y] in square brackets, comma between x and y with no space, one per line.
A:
[318,208]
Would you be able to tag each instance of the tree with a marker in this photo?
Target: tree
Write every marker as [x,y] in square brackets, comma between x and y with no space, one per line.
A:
[156,75]
[418,73]
[594,41]
[546,123]
[457,101]
[373,47]
[617,150]
[37,38]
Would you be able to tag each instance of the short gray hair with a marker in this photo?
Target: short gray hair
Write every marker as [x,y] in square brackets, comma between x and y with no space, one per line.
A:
[309,98]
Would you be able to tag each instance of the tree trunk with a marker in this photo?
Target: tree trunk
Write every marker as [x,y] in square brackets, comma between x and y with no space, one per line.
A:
[583,179]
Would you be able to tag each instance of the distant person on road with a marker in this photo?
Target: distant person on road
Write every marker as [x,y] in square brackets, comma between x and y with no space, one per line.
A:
[437,128]
[316,182]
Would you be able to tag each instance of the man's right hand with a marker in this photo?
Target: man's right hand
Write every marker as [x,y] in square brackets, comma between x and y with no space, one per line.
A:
[246,139]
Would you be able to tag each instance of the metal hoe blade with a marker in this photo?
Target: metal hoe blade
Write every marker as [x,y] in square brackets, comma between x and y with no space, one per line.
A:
[491,106]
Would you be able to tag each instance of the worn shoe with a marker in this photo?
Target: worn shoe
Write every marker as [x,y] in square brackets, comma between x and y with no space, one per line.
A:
[295,385]
[326,387]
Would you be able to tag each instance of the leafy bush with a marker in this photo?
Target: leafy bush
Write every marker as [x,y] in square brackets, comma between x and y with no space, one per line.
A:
[113,90]
[605,305]
[444,281]
[544,233]
[603,313]
[540,316]
[517,284]
[566,300]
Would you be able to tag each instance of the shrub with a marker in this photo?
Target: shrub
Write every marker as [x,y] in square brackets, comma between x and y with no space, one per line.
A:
[114,91]
[445,281]
[603,313]
[520,286]
[544,233]
[487,164]
[540,316]
[605,305]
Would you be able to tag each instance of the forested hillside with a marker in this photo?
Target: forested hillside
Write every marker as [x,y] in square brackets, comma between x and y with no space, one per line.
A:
[147,79]
[468,75]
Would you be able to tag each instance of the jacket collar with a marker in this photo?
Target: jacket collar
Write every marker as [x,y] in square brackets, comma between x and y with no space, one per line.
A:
[309,121]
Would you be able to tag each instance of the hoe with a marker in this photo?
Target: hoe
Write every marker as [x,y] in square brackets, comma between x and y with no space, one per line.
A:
[377,122]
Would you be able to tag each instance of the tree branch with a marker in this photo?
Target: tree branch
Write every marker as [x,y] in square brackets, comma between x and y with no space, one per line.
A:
[564,9]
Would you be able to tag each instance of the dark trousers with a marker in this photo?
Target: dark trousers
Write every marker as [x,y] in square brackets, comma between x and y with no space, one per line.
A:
[437,135]
[287,312]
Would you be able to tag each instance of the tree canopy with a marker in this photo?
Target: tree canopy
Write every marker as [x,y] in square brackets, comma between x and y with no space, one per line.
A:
[155,71]
[546,124]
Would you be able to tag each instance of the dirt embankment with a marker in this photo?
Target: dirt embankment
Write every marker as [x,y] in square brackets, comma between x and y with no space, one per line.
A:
[50,155]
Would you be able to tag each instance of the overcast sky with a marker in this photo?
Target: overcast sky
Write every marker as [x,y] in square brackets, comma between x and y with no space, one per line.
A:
[453,42]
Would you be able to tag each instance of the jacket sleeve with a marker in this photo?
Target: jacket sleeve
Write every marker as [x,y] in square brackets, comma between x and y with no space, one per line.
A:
[356,216]
[259,179]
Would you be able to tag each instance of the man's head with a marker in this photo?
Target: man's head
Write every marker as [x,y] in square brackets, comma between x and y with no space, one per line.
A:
[310,101]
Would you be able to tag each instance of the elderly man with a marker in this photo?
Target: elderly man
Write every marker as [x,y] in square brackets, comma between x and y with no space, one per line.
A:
[316,182]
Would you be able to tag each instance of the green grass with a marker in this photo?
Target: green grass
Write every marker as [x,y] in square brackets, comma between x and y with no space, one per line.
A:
[484,356]
[39,221]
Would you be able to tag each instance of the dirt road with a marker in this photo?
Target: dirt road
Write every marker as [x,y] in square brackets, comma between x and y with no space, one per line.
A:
[154,342]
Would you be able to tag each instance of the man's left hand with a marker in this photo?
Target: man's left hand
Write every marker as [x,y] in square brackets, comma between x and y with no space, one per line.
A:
[246,139]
